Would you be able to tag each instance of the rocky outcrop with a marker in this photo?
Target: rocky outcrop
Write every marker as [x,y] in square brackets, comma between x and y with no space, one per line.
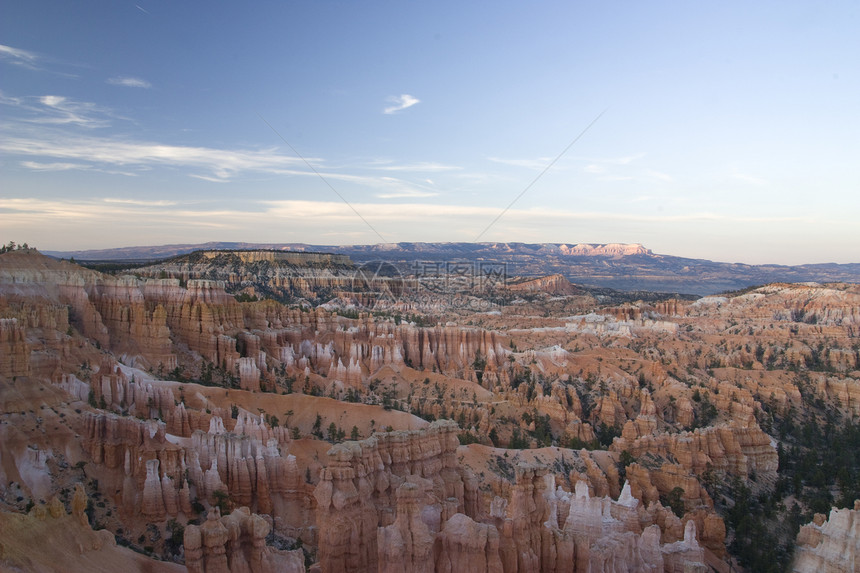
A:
[357,491]
[607,325]
[236,543]
[14,350]
[281,274]
[830,546]
[552,284]
[407,544]
[249,374]
[465,545]
[79,504]
[106,309]
[151,473]
[736,448]
[35,340]
[845,391]
[49,539]
[135,328]
[383,503]
[251,473]
[202,316]
[110,439]
[685,556]
[152,506]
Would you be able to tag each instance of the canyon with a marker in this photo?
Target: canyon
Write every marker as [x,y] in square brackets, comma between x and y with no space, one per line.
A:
[259,411]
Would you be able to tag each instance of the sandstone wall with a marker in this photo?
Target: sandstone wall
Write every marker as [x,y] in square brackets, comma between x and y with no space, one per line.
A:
[830,546]
[236,543]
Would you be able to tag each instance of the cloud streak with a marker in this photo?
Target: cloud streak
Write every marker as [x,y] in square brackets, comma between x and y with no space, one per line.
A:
[139,202]
[220,163]
[424,211]
[30,60]
[56,166]
[422,166]
[58,111]
[129,82]
[399,103]
[19,57]
[534,164]
[746,178]
[42,221]
[53,147]
[406,193]
[204,163]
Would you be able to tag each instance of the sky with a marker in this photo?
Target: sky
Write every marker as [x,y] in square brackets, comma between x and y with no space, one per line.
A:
[724,130]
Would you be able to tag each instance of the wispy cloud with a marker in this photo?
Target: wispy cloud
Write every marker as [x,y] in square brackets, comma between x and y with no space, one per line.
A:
[399,103]
[642,198]
[55,149]
[616,178]
[329,212]
[212,165]
[746,178]
[61,166]
[332,211]
[220,163]
[18,56]
[109,212]
[58,110]
[30,60]
[659,175]
[129,82]
[209,179]
[143,203]
[36,166]
[422,166]
[626,160]
[536,164]
[623,168]
[535,215]
[406,193]
[623,160]
[69,223]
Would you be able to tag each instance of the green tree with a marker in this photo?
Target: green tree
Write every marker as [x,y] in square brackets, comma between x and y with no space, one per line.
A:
[518,441]
[625,459]
[317,427]
[675,501]
[222,501]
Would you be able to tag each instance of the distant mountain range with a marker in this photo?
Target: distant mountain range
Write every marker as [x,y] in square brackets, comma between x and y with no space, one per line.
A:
[628,267]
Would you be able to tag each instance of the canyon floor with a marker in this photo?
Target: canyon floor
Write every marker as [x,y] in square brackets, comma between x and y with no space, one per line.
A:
[245,411]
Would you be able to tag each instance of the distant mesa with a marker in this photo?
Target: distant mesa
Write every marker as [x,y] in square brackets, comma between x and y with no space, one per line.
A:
[608,250]
[289,257]
[443,248]
[618,266]
[552,284]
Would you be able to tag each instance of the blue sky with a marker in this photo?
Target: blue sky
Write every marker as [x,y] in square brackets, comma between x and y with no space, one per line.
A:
[731,131]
